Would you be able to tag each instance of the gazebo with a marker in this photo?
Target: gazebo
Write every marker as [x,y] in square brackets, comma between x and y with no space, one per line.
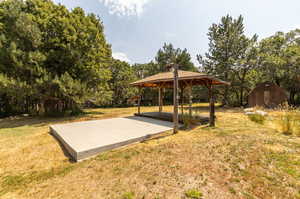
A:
[184,80]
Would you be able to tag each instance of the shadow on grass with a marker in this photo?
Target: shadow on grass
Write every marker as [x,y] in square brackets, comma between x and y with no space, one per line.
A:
[63,148]
[11,183]
[93,113]
[40,121]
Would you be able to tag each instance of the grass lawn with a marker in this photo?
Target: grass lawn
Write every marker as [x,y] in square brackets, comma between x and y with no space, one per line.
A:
[237,159]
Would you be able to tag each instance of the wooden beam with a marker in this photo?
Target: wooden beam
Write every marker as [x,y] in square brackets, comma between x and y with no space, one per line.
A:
[211,106]
[139,100]
[175,99]
[181,99]
[190,101]
[160,99]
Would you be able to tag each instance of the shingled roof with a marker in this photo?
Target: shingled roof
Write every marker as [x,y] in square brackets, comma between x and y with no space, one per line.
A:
[166,79]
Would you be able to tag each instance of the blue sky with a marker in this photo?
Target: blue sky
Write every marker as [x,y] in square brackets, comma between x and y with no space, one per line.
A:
[138,28]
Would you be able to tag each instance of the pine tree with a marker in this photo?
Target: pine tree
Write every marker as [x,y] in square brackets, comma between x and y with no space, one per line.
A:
[229,57]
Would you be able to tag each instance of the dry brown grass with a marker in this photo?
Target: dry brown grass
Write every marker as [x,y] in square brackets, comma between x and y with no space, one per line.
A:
[237,159]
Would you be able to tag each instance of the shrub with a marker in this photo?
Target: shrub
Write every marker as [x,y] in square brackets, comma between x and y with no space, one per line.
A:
[187,121]
[257,118]
[289,122]
[128,195]
[194,194]
[190,121]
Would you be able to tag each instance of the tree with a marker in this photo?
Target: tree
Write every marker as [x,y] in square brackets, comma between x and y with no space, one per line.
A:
[122,75]
[230,57]
[279,57]
[168,54]
[61,55]
[164,56]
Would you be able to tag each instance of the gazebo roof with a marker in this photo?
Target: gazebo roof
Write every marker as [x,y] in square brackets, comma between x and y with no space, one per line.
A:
[189,78]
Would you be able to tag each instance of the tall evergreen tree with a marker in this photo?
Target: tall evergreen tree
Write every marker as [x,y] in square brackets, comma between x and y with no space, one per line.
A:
[168,54]
[230,57]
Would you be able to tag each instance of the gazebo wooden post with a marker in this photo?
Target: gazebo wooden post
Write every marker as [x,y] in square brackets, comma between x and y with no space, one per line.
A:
[139,100]
[175,99]
[160,101]
[181,99]
[211,105]
[190,101]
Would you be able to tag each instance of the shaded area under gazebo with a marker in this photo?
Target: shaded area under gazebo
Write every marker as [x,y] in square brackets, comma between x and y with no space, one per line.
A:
[186,80]
[167,116]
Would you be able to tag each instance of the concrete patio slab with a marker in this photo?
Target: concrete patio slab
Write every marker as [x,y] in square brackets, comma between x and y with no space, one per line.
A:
[85,139]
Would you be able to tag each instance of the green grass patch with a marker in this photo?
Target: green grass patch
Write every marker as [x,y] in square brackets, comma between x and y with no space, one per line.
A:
[232,190]
[128,195]
[257,118]
[193,194]
[289,122]
[287,163]
[14,182]
[248,195]
[17,131]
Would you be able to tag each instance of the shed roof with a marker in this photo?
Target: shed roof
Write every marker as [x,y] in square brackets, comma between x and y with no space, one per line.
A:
[166,79]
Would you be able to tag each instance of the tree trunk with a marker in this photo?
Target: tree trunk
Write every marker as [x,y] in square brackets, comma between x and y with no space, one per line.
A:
[242,96]
[292,97]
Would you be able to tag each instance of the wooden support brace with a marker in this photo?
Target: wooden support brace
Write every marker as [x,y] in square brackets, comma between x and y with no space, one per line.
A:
[175,99]
[160,101]
[139,101]
[181,100]
[190,101]
[211,106]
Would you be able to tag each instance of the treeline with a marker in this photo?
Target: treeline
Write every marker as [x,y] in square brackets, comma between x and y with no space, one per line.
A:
[55,61]
[239,59]
[244,61]
[52,59]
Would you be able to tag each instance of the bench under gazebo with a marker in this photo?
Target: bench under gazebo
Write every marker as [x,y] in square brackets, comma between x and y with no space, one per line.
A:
[185,81]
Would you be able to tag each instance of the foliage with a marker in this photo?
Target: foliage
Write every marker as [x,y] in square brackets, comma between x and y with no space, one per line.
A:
[51,59]
[279,62]
[257,118]
[244,62]
[166,55]
[128,195]
[188,120]
[191,120]
[122,75]
[289,122]
[231,56]
[193,194]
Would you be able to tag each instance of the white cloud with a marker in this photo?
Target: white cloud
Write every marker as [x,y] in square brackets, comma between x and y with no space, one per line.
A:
[125,7]
[121,56]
